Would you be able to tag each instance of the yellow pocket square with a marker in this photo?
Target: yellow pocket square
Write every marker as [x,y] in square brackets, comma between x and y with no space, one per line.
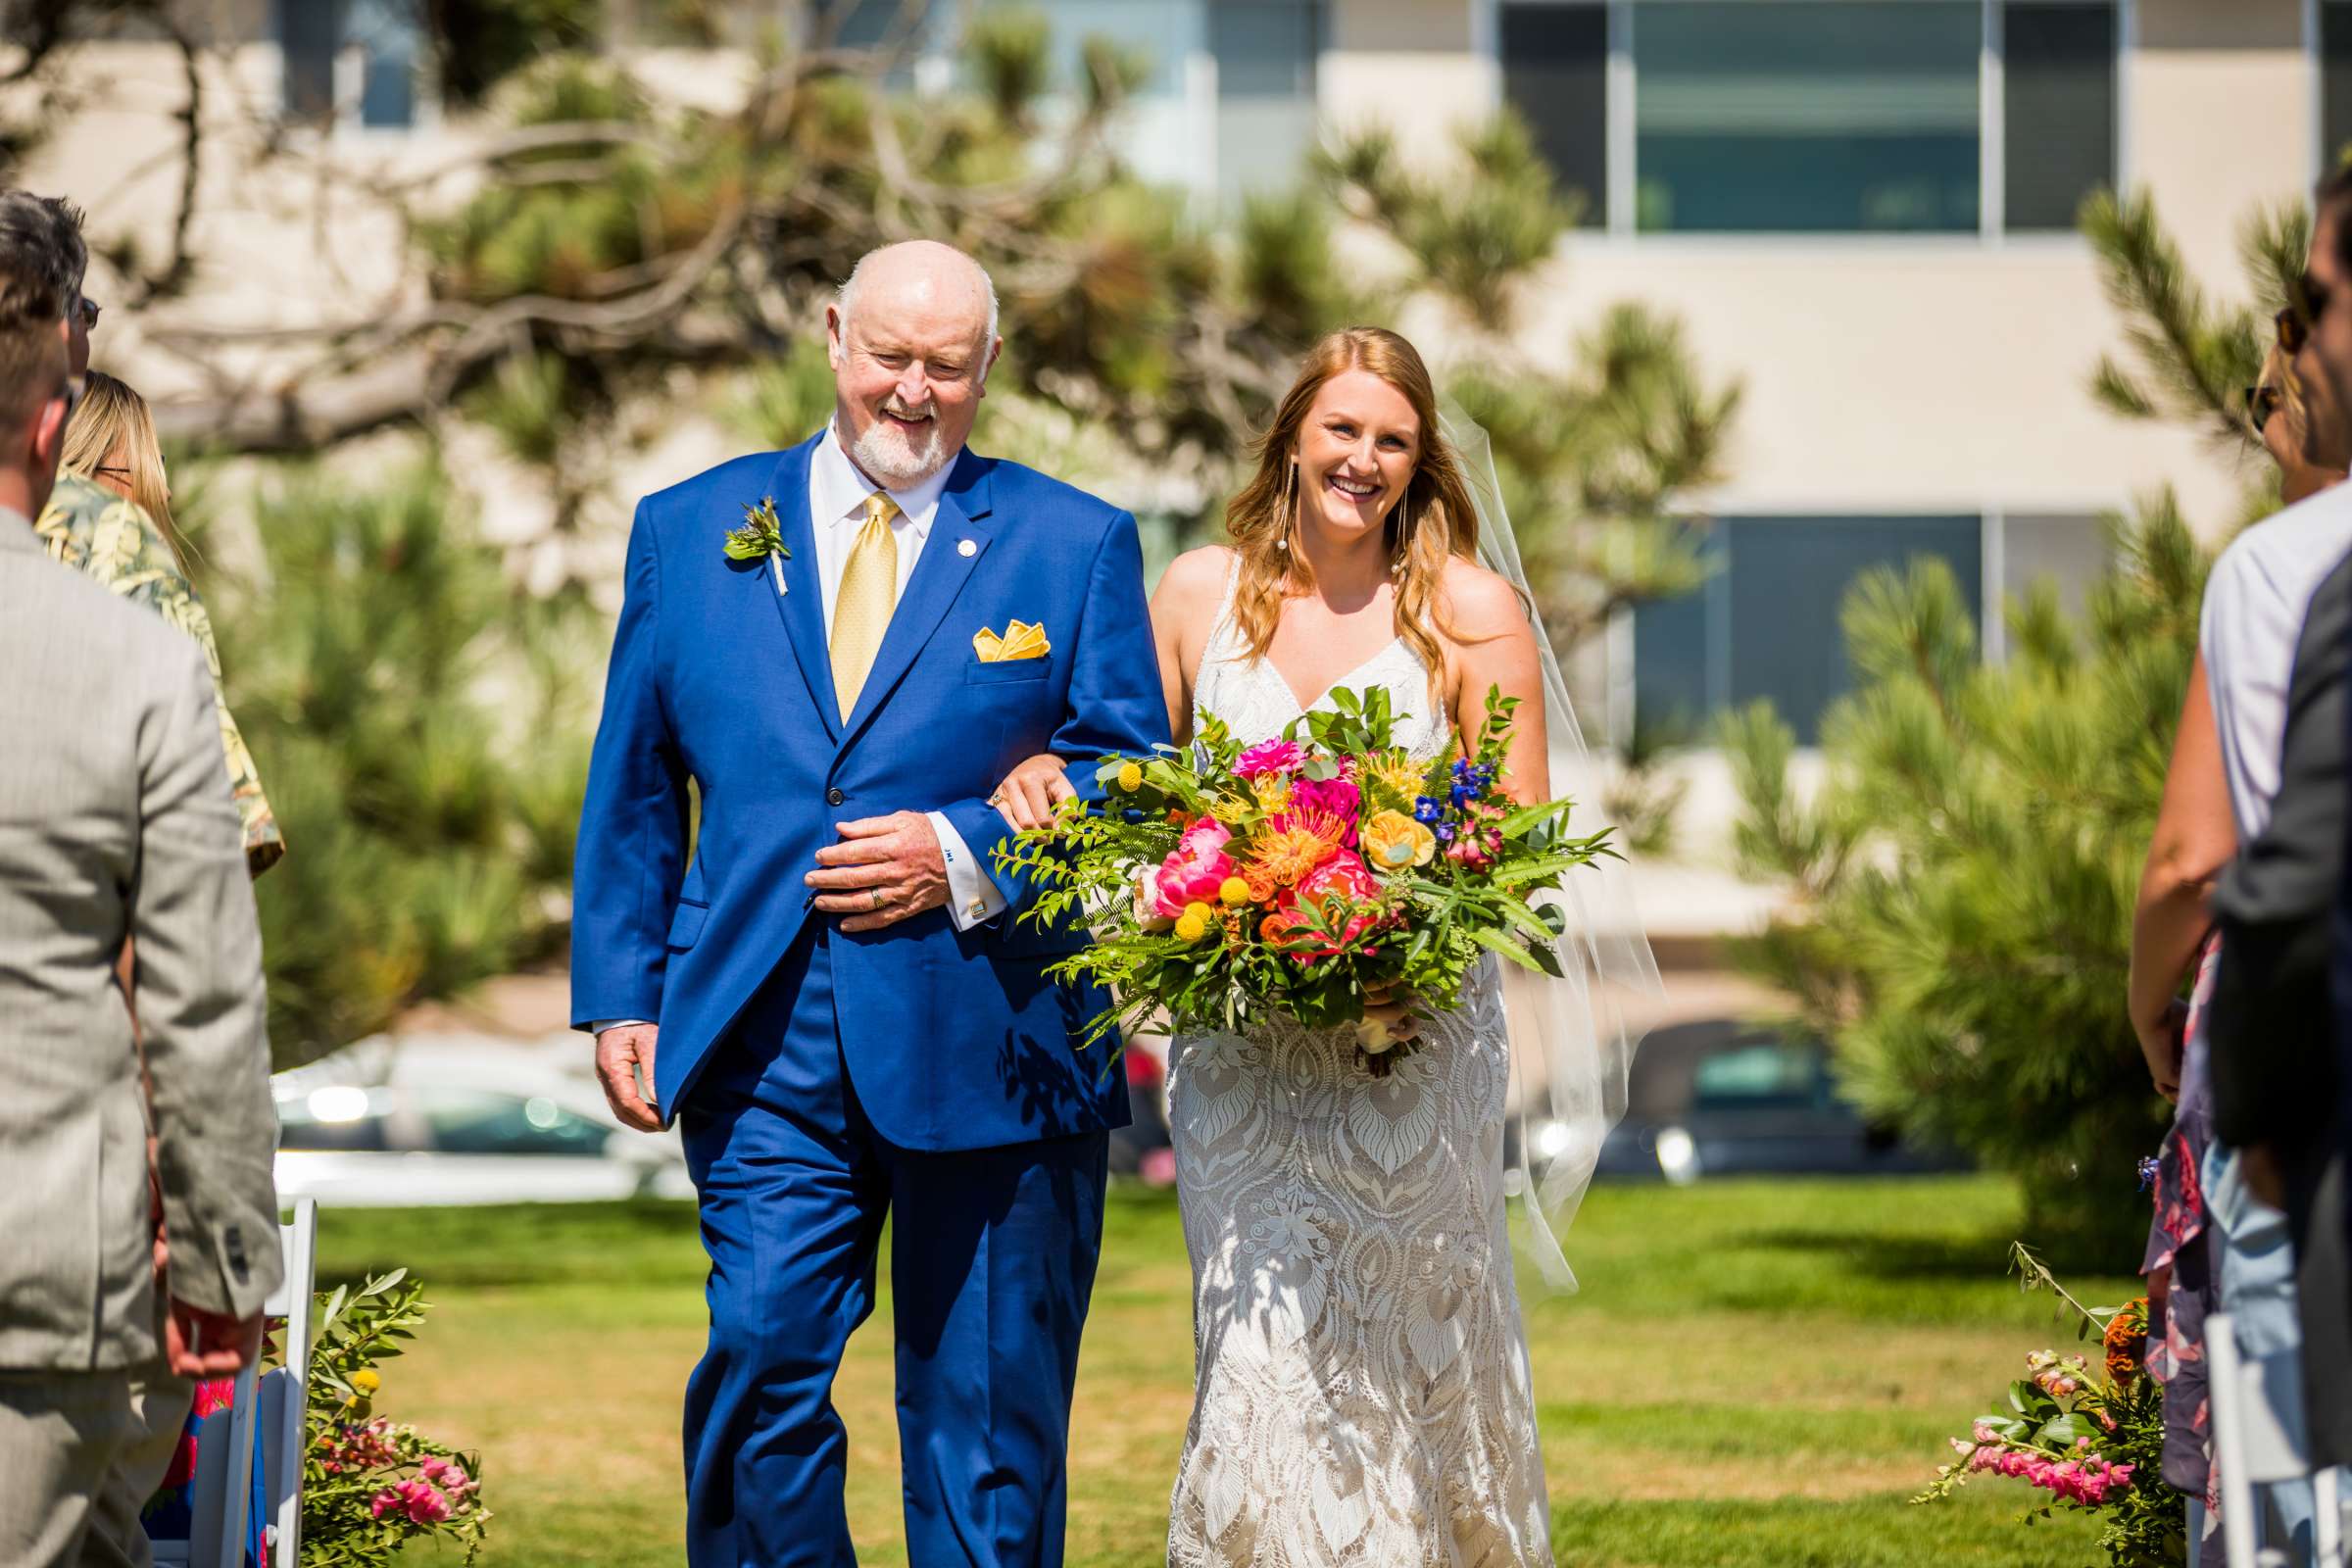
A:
[1020,641]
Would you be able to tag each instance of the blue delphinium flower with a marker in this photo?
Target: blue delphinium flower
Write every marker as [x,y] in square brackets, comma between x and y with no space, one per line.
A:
[1443,832]
[1426,811]
[2148,1172]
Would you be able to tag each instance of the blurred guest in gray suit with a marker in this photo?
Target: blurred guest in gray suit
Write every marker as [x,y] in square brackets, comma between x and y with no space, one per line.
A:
[116,821]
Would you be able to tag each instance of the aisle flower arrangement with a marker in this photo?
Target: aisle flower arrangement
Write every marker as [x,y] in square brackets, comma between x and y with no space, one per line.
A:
[1307,876]
[370,1485]
[2091,1435]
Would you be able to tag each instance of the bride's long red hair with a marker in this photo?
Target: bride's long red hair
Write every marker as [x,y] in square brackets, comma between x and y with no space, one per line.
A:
[1434,520]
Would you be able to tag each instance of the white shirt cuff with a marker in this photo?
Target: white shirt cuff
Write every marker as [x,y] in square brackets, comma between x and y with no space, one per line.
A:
[972,896]
[599,1027]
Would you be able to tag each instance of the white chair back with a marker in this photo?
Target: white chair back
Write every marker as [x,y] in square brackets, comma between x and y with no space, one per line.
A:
[274,1403]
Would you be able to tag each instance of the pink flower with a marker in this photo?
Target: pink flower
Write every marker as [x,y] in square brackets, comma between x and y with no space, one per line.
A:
[1194,870]
[1343,884]
[425,1502]
[446,1474]
[1270,757]
[1338,797]
[384,1501]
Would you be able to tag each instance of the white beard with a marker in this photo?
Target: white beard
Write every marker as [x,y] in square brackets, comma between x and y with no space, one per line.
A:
[894,459]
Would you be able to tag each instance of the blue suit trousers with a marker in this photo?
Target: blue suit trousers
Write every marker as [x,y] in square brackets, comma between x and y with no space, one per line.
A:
[992,1262]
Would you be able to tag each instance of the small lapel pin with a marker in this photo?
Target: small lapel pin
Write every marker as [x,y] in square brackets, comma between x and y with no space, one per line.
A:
[965,547]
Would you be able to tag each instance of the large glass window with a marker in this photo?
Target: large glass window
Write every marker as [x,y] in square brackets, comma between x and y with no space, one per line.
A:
[1265,53]
[2058,109]
[1807,116]
[2335,81]
[1555,72]
[1766,624]
[382,38]
[1826,115]
[308,35]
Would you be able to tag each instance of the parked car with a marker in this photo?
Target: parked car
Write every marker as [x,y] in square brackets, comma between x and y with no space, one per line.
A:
[1725,1099]
[451,1121]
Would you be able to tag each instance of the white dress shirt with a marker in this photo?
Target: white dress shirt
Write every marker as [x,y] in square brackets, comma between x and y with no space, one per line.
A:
[836,493]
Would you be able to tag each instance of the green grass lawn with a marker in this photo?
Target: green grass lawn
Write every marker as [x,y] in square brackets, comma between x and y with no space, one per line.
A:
[1754,1374]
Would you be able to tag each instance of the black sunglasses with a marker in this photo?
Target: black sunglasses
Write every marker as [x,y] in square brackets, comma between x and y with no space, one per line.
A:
[89,309]
[2262,402]
[2307,302]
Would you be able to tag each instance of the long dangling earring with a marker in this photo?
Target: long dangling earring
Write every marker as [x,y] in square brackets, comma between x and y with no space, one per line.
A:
[1290,508]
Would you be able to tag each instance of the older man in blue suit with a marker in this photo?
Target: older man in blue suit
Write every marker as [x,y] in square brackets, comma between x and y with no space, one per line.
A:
[844,648]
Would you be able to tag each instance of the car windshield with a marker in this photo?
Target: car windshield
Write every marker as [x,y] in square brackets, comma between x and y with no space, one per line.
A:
[486,1122]
[1771,1074]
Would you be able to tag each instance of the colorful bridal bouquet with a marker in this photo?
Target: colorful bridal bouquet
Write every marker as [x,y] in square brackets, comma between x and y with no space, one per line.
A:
[2089,1435]
[369,1486]
[1303,876]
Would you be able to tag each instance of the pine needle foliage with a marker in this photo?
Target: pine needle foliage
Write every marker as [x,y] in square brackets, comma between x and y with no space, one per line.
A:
[1964,876]
[419,726]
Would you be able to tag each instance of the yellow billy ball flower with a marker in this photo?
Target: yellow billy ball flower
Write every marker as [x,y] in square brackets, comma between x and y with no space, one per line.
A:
[1234,892]
[367,1382]
[1193,924]
[1131,777]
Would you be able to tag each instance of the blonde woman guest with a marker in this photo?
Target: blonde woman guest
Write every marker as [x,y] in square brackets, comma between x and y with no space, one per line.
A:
[110,441]
[109,516]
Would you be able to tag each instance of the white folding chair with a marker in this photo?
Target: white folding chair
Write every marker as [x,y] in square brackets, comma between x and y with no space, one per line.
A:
[275,1401]
[2251,1446]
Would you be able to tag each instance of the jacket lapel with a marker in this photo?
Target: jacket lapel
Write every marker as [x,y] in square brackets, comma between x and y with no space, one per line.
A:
[802,602]
[939,577]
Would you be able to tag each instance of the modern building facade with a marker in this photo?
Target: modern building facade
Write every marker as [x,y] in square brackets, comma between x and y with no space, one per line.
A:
[1862,209]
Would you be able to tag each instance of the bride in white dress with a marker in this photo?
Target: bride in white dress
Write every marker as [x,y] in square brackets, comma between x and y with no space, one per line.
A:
[1362,1390]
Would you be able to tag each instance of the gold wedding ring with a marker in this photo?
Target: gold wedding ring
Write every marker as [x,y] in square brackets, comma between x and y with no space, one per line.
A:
[877,897]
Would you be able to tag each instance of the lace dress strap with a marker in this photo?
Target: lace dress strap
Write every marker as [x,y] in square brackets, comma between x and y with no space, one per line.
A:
[1221,630]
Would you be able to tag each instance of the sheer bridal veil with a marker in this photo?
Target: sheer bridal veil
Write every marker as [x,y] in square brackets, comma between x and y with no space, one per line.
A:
[1571,1048]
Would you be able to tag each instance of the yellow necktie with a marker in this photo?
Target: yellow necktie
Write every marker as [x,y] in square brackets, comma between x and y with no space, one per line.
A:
[869,591]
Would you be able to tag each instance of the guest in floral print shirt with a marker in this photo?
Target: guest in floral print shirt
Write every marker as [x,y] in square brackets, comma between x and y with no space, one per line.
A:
[109,516]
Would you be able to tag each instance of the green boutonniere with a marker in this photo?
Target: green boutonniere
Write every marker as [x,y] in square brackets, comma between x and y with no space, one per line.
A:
[761,534]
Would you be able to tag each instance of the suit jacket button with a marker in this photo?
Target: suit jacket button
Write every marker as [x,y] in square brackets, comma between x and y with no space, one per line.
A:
[834,797]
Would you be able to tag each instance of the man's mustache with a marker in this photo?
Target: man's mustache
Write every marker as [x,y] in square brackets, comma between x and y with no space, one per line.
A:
[898,410]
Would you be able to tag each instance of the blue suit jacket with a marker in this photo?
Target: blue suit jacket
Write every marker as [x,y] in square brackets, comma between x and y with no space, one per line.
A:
[953,1040]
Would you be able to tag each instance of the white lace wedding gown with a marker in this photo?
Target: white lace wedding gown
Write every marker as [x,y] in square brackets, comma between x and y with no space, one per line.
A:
[1361,1376]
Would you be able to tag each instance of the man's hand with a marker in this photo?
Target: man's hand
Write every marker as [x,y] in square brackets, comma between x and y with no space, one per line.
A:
[620,1053]
[2164,1050]
[884,869]
[198,1343]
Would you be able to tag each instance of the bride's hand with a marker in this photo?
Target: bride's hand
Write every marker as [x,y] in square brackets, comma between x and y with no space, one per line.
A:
[1031,790]
[1393,1010]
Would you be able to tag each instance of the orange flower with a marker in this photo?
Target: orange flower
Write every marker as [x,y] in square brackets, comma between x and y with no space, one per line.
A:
[1294,844]
[2125,1337]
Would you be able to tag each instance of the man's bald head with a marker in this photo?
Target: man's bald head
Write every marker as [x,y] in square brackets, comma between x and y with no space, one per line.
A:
[910,337]
[922,271]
